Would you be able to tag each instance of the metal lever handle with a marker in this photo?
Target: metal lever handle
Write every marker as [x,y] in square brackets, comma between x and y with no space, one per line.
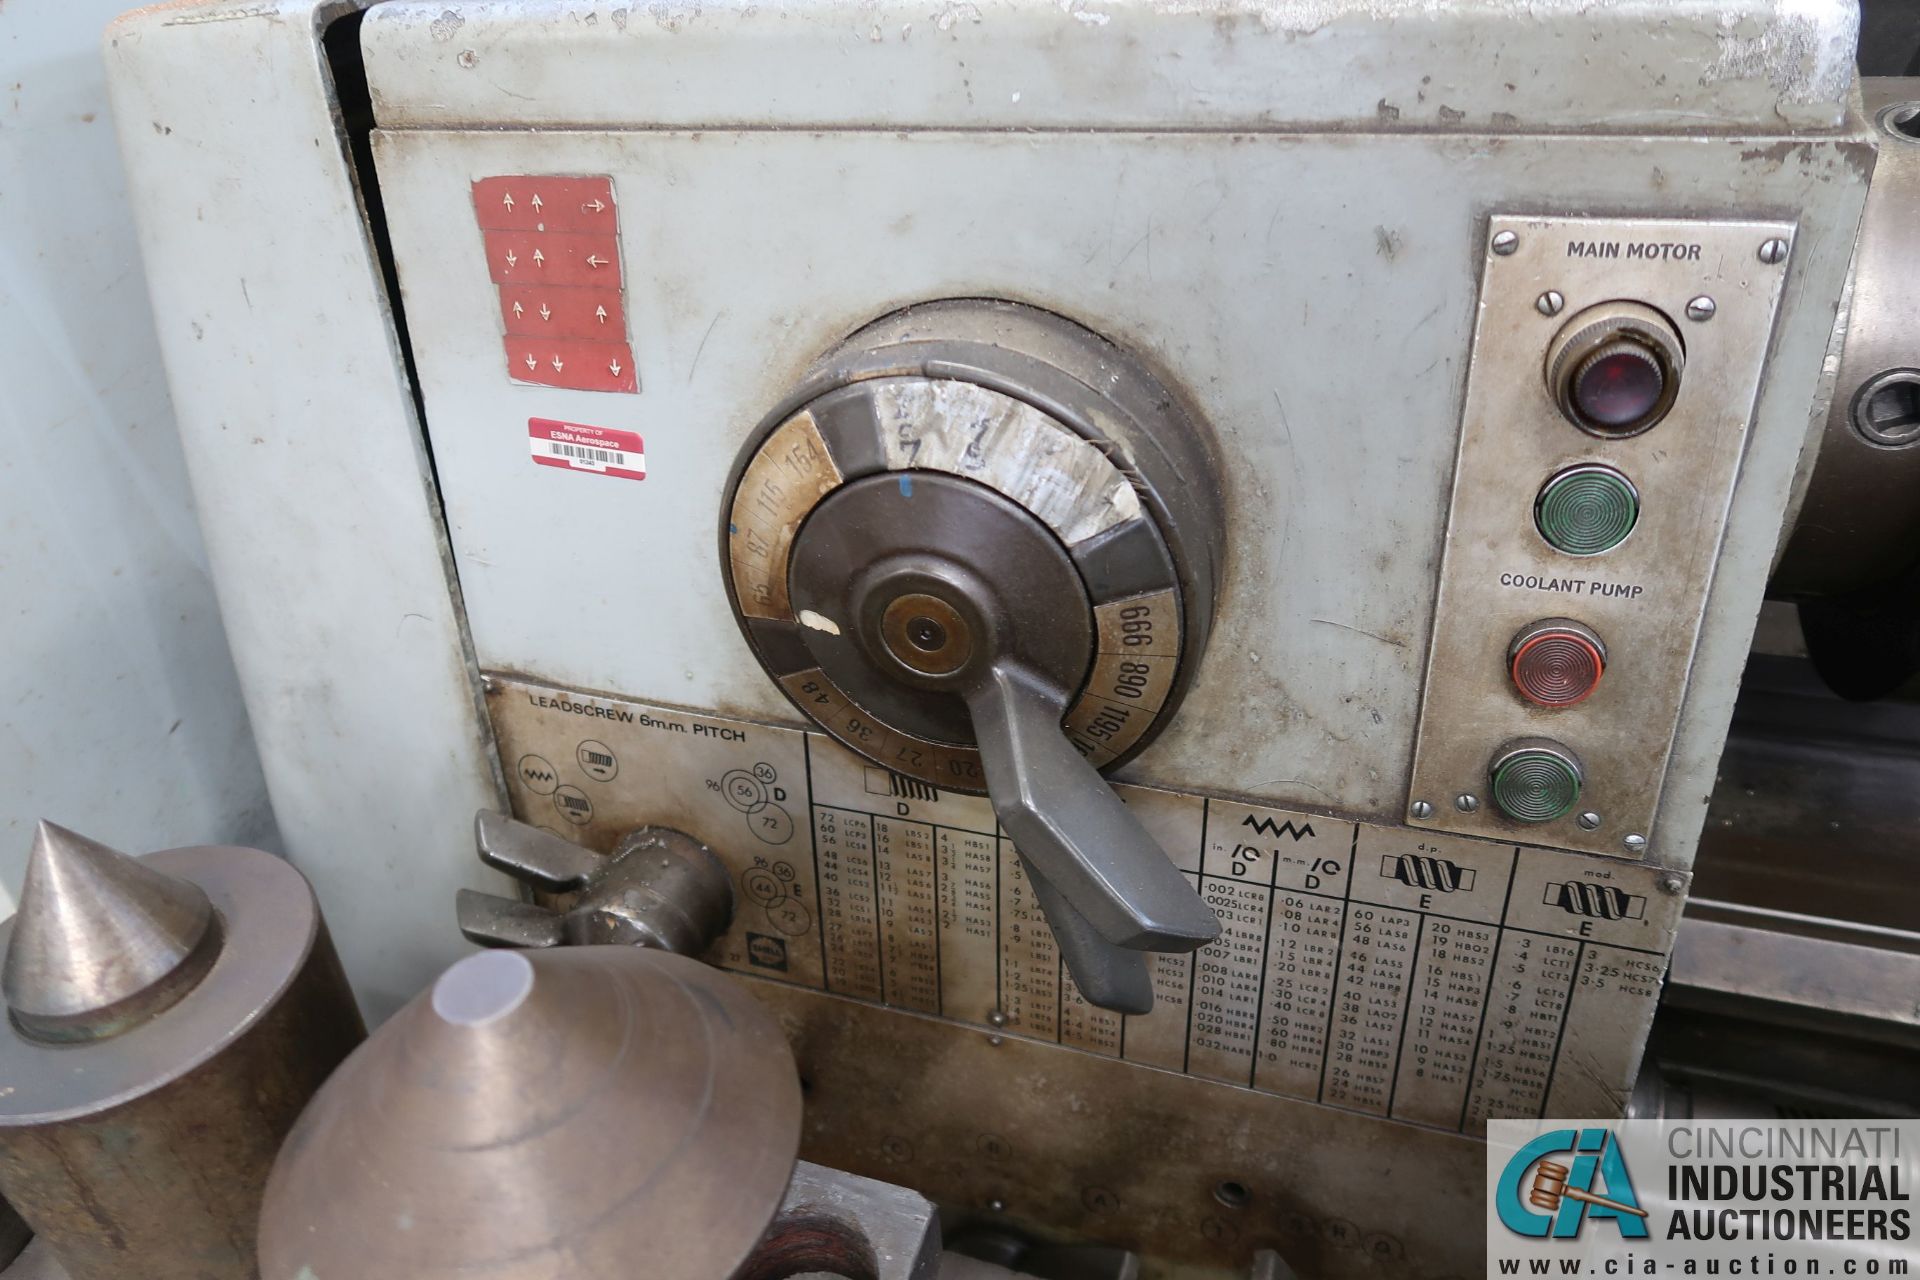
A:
[659,888]
[1092,853]
[527,853]
[1108,976]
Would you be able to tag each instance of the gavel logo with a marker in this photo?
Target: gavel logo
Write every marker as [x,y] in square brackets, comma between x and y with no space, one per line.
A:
[1550,1187]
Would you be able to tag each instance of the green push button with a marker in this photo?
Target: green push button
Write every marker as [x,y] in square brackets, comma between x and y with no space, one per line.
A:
[1536,781]
[1586,510]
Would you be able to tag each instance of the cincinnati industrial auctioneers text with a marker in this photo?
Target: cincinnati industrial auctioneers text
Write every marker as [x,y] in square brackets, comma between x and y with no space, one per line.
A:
[1861,1166]
[1692,1197]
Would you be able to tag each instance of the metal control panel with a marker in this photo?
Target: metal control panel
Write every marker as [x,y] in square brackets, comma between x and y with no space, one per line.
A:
[1579,551]
[1430,979]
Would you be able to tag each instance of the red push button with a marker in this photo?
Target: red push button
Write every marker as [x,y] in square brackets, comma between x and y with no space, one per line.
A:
[1557,662]
[1618,385]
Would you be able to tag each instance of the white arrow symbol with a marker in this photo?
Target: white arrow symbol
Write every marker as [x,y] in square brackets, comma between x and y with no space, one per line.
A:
[546,312]
[530,361]
[595,261]
[536,200]
[557,366]
[539,258]
[594,205]
[512,257]
[519,310]
[614,368]
[600,314]
[507,199]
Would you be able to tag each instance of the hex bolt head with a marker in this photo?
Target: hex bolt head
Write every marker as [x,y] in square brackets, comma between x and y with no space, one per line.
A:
[1671,884]
[1466,802]
[1589,821]
[1505,242]
[1635,844]
[1550,303]
[1421,810]
[1773,252]
[1701,309]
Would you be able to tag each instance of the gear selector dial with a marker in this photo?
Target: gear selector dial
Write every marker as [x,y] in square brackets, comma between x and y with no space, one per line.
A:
[979,547]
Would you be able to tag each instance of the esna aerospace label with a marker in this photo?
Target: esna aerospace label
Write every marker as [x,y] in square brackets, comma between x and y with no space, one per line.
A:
[1679,1198]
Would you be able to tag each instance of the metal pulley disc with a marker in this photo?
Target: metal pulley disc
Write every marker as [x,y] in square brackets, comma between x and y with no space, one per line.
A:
[586,1113]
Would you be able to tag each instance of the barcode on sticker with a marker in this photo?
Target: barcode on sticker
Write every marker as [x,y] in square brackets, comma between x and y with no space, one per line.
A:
[586,457]
[577,447]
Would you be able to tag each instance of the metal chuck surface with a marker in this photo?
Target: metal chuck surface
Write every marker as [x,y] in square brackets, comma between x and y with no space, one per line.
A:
[581,1113]
[169,1017]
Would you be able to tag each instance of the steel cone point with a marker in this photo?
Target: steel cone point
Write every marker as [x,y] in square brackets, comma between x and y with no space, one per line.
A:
[584,1113]
[101,941]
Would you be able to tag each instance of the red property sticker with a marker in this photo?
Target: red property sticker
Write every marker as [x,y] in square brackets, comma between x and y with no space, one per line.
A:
[577,447]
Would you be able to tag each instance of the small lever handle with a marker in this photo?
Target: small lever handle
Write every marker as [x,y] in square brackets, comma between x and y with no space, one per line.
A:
[1108,976]
[659,888]
[527,853]
[1079,837]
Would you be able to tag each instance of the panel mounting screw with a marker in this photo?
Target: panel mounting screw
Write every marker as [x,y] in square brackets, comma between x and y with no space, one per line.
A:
[1671,884]
[1466,802]
[997,1017]
[1550,303]
[1701,308]
[996,1206]
[1505,242]
[1635,844]
[1421,810]
[1588,821]
[1774,251]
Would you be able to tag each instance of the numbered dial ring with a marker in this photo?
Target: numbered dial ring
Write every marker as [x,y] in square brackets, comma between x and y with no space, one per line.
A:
[954,483]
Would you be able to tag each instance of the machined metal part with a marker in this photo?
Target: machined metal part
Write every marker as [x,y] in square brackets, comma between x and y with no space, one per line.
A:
[125,942]
[1640,565]
[151,1087]
[1859,523]
[985,1250]
[1806,895]
[1786,958]
[659,888]
[840,1224]
[956,548]
[543,1113]
[1794,975]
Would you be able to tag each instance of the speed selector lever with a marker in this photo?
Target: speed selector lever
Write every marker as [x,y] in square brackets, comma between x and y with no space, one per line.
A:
[979,548]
